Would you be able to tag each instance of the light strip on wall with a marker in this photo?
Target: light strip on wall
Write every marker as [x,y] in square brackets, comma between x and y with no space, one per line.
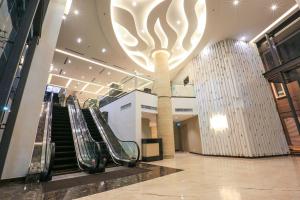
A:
[100,64]
[282,17]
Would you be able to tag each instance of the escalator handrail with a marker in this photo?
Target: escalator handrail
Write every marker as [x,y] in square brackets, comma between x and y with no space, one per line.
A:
[47,152]
[79,129]
[111,148]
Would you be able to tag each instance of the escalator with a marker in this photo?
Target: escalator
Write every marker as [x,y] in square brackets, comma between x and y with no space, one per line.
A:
[66,143]
[65,160]
[122,152]
[95,134]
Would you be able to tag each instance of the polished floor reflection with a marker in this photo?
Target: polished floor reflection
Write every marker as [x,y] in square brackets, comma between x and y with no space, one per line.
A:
[217,178]
[75,186]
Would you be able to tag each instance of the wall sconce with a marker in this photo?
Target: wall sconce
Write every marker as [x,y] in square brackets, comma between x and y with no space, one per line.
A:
[218,122]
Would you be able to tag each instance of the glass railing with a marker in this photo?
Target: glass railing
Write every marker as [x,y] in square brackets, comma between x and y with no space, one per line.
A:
[183,90]
[44,148]
[122,152]
[88,151]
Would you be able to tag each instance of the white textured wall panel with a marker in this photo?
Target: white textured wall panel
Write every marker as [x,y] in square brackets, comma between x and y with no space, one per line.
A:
[229,82]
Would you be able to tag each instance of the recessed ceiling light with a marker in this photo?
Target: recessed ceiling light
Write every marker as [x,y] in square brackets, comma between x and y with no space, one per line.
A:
[134,3]
[69,61]
[64,72]
[75,87]
[108,73]
[236,2]
[76,12]
[274,7]
[79,40]
[82,77]
[90,67]
[103,50]
[178,22]
[64,17]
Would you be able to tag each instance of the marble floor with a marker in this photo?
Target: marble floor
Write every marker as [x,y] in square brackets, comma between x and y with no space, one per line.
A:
[217,178]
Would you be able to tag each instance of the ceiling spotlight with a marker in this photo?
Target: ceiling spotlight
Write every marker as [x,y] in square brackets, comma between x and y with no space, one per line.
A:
[236,2]
[108,73]
[90,67]
[64,72]
[76,12]
[178,22]
[274,7]
[82,77]
[103,50]
[64,17]
[79,40]
[134,3]
[51,67]
[69,61]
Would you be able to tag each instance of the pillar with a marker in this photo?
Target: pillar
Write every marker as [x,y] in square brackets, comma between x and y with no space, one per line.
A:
[24,133]
[162,88]
[236,109]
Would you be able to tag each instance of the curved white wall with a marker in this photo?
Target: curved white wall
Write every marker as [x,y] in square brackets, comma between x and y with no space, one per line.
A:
[229,83]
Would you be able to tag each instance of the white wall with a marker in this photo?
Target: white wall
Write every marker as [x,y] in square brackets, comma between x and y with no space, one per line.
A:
[126,123]
[22,142]
[229,82]
[186,103]
[123,122]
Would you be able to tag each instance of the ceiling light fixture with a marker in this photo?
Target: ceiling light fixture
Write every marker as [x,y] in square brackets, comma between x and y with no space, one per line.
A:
[79,40]
[134,3]
[68,7]
[103,50]
[69,61]
[76,12]
[178,22]
[64,17]
[64,72]
[101,64]
[108,73]
[236,2]
[275,23]
[82,77]
[90,67]
[274,7]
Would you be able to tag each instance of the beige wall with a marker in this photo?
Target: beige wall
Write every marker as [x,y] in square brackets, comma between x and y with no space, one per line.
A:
[187,136]
[146,129]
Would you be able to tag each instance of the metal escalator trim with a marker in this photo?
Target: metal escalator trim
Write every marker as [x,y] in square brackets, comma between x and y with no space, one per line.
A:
[101,130]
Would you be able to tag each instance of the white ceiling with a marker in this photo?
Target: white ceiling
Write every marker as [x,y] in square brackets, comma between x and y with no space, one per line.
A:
[93,26]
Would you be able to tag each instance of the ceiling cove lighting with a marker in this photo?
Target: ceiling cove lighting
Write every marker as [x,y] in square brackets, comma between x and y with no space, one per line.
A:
[68,7]
[101,64]
[187,28]
[275,23]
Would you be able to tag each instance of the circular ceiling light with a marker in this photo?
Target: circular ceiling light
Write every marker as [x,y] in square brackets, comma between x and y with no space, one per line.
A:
[155,26]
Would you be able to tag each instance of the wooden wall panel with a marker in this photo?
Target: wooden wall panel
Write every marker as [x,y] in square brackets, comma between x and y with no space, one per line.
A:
[229,82]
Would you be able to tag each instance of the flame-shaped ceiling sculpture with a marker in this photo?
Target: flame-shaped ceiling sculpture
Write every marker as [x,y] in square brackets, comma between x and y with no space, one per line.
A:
[144,26]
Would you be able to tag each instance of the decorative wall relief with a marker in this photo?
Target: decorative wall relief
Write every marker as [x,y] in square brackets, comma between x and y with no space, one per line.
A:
[237,113]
